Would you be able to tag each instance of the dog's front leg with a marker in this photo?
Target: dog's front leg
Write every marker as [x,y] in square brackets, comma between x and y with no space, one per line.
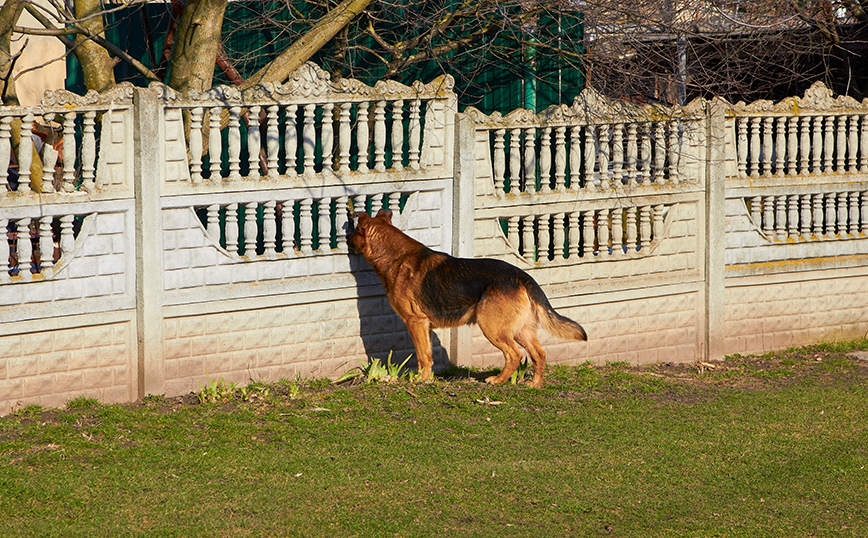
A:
[420,332]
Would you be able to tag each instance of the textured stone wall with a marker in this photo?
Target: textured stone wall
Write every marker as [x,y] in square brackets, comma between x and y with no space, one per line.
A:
[51,367]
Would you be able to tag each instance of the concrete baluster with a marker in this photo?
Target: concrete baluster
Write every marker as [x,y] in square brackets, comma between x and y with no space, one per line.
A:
[254,143]
[380,136]
[290,140]
[234,144]
[308,139]
[269,229]
[498,163]
[363,136]
[324,225]
[25,154]
[545,160]
[287,227]
[25,249]
[328,137]
[196,115]
[398,135]
[5,155]
[272,140]
[232,231]
[215,145]
[344,137]
[415,134]
[46,242]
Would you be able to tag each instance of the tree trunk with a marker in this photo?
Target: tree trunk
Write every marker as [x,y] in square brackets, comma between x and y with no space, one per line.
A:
[96,64]
[9,14]
[300,51]
[196,45]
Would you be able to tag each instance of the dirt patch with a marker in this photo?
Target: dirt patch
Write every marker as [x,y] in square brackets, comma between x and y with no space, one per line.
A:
[767,372]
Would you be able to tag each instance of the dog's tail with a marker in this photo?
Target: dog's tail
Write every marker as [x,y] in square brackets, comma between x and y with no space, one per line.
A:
[556,324]
[561,326]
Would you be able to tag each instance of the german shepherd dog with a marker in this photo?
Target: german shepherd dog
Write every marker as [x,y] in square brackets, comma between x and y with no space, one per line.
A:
[430,289]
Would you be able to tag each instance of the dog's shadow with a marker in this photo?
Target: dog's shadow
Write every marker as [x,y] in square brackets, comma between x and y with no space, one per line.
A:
[461,373]
[381,330]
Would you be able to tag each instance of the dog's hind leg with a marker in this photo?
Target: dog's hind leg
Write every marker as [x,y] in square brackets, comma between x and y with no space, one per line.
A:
[500,316]
[527,338]
[511,354]
[420,332]
[502,338]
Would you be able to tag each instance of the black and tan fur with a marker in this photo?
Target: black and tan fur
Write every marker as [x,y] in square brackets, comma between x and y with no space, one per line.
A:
[430,289]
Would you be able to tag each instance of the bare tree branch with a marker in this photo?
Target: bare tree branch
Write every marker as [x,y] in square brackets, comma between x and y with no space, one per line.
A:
[645,50]
[302,49]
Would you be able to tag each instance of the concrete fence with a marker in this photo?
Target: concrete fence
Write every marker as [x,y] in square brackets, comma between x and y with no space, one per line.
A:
[171,239]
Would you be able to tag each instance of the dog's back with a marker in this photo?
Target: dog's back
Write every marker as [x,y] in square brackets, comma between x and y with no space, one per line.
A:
[451,290]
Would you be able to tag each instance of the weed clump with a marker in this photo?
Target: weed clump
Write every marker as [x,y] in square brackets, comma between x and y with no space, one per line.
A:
[375,371]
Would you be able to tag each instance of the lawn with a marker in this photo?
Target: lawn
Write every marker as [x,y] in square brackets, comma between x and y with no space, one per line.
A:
[754,446]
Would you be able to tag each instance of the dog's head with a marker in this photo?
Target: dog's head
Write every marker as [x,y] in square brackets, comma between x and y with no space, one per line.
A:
[365,224]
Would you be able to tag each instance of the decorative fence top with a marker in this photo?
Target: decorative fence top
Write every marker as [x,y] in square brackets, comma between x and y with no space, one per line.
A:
[612,144]
[52,159]
[817,99]
[814,135]
[308,126]
[589,108]
[309,84]
[63,100]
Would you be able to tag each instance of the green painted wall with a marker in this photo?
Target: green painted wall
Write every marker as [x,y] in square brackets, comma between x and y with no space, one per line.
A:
[501,74]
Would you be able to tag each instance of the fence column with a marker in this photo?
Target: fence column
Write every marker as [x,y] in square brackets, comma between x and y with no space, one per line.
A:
[712,339]
[149,243]
[463,226]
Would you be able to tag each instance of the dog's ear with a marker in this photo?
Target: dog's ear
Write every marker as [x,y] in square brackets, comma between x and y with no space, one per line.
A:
[360,216]
[385,213]
[356,237]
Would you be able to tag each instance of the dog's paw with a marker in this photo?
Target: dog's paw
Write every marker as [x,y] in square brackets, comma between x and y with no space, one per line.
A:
[494,380]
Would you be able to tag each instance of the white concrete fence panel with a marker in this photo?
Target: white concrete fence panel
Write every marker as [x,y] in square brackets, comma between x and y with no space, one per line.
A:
[167,239]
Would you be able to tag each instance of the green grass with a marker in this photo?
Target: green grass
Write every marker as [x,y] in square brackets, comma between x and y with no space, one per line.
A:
[82,402]
[609,451]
